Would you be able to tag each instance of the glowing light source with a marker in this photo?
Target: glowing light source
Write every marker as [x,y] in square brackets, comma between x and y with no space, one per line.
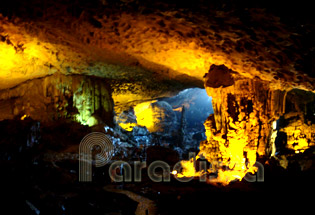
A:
[24,116]
[174,172]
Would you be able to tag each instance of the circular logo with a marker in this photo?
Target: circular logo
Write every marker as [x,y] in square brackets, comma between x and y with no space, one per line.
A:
[101,140]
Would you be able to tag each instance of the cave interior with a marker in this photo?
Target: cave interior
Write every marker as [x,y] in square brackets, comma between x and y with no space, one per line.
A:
[218,95]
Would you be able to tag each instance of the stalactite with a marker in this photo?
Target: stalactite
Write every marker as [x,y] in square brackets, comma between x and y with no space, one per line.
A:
[240,128]
[60,97]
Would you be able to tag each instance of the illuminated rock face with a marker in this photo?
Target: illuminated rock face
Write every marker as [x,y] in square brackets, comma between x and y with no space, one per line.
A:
[79,98]
[241,126]
[150,49]
[300,135]
[297,125]
[126,39]
[247,104]
[156,116]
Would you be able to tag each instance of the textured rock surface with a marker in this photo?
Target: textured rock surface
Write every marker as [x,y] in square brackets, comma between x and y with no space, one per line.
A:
[241,126]
[297,125]
[81,98]
[170,40]
[156,116]
[248,105]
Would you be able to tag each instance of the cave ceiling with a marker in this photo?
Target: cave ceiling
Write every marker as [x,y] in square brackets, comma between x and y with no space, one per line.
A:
[151,48]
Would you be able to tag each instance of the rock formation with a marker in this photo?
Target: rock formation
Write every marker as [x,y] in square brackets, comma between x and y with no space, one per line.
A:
[84,60]
[79,98]
[240,128]
[146,46]
[156,116]
[297,125]
[72,67]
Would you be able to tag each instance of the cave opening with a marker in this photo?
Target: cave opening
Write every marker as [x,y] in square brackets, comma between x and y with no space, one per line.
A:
[175,122]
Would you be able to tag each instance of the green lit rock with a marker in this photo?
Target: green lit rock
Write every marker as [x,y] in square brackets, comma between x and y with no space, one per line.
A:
[84,99]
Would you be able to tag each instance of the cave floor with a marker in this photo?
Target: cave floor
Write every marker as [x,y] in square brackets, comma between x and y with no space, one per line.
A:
[45,189]
[31,183]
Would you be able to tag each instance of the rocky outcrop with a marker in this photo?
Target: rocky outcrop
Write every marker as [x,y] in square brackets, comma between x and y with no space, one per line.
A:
[141,136]
[156,116]
[79,98]
[219,76]
[253,120]
[297,126]
[240,128]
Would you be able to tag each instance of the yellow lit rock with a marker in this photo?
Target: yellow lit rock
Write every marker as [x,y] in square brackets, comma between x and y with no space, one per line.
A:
[240,126]
[300,136]
[145,116]
[155,116]
[23,117]
[127,126]
[161,42]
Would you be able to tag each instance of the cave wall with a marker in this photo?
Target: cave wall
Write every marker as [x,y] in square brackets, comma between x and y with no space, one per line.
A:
[79,98]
